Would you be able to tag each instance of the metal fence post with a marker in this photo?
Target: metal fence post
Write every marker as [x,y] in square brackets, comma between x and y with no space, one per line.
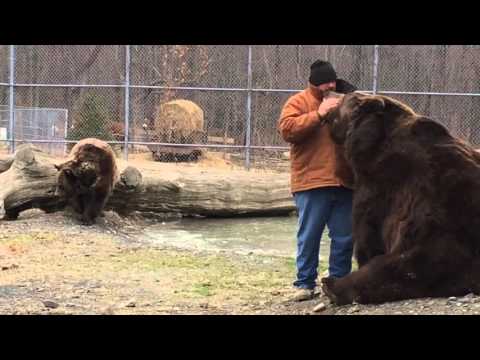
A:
[127,100]
[249,108]
[11,102]
[65,134]
[375,69]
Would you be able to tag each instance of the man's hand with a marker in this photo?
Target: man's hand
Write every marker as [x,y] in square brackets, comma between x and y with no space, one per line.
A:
[327,105]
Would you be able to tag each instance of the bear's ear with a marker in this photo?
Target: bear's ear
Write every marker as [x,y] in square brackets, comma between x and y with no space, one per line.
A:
[371,104]
[68,173]
[344,87]
[428,129]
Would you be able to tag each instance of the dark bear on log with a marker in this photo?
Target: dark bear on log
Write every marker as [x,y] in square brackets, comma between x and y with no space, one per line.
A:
[87,178]
[416,206]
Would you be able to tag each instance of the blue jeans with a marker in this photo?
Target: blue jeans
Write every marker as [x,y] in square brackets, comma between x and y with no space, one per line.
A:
[331,206]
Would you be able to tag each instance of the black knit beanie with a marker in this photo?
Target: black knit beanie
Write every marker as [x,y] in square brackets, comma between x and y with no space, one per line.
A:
[321,72]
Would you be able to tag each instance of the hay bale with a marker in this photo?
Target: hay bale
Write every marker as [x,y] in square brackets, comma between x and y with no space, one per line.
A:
[178,119]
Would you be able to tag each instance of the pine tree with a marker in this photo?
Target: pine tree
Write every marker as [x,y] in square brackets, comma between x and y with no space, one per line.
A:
[92,121]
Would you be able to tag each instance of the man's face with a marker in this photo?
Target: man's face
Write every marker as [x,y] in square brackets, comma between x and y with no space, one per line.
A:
[322,90]
[325,88]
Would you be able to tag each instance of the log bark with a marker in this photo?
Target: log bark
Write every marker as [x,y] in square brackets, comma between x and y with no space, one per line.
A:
[30,180]
[6,162]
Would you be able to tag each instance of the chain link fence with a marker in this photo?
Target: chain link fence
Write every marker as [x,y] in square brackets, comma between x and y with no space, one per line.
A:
[218,98]
[46,125]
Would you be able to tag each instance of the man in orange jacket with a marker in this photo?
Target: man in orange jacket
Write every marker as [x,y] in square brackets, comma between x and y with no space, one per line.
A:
[320,197]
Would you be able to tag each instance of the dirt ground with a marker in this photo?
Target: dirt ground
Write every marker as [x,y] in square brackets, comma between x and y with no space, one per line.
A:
[50,264]
[210,162]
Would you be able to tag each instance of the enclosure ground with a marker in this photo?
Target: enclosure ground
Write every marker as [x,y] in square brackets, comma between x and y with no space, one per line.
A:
[49,264]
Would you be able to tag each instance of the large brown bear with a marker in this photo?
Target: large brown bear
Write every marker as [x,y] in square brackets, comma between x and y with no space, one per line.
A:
[416,205]
[87,178]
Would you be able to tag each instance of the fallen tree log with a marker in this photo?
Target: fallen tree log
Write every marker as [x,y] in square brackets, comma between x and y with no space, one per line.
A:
[30,180]
[5,162]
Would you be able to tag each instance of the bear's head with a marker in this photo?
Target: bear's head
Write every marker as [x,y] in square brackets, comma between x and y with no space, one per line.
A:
[75,177]
[353,110]
[360,124]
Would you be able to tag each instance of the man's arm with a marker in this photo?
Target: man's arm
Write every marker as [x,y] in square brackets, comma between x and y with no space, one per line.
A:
[295,124]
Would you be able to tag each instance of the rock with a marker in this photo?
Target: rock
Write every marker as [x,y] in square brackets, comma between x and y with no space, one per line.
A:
[50,304]
[275,293]
[353,309]
[58,313]
[131,303]
[8,267]
[320,307]
[452,298]
[107,310]
[70,305]
[204,305]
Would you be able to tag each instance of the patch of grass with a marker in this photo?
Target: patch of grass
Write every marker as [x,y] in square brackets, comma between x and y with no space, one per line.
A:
[291,263]
[203,289]
[156,260]
[20,242]
[354,265]
[292,266]
[189,276]
[205,275]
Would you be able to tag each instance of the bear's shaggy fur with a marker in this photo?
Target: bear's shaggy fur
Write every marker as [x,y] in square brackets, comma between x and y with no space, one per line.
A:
[87,178]
[416,205]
